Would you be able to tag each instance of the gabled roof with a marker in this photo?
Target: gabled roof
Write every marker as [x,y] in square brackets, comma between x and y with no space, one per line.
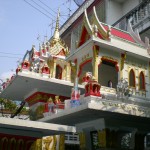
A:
[94,27]
[55,47]
[58,48]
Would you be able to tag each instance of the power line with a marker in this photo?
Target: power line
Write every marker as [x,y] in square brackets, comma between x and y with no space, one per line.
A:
[42,7]
[40,10]
[37,9]
[10,53]
[10,57]
[48,7]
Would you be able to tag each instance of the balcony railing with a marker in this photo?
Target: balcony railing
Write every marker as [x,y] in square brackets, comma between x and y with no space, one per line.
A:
[72,138]
[139,16]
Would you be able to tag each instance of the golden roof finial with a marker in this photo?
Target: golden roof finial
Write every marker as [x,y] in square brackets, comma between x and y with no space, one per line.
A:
[56,32]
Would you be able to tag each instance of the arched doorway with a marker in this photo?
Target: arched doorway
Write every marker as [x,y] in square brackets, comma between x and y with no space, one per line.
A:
[20,144]
[141,81]
[132,78]
[4,143]
[12,144]
[108,71]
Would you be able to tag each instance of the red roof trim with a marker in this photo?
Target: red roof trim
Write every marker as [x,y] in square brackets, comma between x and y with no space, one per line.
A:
[120,34]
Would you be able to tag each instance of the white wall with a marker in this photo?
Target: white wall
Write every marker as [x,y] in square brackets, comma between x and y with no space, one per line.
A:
[113,11]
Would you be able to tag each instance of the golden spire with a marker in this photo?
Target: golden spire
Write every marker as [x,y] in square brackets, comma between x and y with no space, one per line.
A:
[56,32]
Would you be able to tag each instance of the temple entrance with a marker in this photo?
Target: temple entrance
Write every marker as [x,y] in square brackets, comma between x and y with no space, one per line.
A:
[108,74]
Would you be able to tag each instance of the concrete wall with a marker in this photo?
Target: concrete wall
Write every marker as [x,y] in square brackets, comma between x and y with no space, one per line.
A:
[115,10]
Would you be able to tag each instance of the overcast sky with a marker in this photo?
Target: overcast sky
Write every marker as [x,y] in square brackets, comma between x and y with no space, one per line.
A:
[21,24]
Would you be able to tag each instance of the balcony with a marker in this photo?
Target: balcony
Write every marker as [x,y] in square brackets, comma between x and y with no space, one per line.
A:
[139,18]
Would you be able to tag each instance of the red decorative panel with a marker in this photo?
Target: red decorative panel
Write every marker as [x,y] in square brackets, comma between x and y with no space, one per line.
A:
[41,97]
[84,36]
[120,34]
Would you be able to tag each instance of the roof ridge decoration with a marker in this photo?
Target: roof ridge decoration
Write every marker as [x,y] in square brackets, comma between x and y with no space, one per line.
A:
[135,34]
[137,38]
[87,23]
[104,33]
[147,42]
[95,28]
[85,28]
[56,32]
[56,43]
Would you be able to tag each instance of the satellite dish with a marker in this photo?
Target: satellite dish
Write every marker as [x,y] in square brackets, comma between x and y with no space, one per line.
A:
[79,2]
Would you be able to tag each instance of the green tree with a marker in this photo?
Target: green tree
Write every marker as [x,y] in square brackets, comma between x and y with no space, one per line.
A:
[10,107]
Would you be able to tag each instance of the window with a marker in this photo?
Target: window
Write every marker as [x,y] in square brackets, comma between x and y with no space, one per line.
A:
[131,78]
[141,81]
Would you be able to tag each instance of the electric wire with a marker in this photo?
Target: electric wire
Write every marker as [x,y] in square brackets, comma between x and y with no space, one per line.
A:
[37,9]
[45,10]
[9,57]
[51,8]
[47,6]
[9,53]
[42,8]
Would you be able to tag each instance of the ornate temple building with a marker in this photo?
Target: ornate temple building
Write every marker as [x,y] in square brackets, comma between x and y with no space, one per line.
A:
[91,80]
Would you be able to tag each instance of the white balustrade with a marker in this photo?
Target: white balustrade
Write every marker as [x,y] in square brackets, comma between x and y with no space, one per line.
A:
[138,17]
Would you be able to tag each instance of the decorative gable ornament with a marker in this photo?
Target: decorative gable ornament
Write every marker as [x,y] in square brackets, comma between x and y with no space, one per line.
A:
[57,45]
[137,38]
[93,28]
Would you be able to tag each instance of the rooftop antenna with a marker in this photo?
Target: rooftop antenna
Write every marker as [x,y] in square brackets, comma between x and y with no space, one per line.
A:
[45,37]
[56,32]
[69,8]
[39,38]
[18,62]
[52,26]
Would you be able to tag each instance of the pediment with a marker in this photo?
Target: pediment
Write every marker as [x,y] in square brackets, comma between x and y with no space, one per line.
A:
[85,36]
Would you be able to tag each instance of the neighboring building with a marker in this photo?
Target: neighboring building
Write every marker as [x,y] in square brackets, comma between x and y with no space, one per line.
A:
[92,76]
